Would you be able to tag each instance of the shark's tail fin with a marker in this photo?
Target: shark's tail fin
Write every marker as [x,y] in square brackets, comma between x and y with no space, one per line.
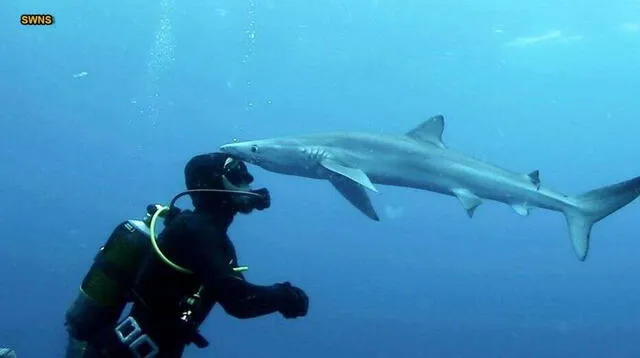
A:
[594,206]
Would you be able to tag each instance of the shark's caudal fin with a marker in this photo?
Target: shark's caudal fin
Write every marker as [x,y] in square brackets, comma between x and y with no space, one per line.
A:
[594,206]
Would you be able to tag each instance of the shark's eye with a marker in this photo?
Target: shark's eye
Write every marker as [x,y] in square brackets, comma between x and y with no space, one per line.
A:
[254,148]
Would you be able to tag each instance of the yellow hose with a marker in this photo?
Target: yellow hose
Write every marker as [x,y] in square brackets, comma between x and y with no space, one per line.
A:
[152,228]
[154,243]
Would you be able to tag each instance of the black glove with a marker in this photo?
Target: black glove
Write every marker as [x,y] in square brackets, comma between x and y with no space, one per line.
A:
[293,301]
[265,201]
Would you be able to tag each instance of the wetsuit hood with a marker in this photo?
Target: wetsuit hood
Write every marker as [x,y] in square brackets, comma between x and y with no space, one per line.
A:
[220,171]
[206,171]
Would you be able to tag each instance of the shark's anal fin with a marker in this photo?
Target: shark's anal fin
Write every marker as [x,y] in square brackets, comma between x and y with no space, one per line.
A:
[356,195]
[429,131]
[354,174]
[521,209]
[469,200]
[534,176]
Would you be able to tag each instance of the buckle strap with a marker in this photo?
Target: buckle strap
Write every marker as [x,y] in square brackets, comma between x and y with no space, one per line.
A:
[131,335]
[191,334]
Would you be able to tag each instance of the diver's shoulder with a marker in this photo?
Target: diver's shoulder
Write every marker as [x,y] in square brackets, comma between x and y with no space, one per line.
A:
[191,220]
[184,217]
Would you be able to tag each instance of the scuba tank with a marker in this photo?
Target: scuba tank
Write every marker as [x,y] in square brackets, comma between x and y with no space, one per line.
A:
[105,290]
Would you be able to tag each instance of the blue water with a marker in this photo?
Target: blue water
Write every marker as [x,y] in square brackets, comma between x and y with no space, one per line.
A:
[101,111]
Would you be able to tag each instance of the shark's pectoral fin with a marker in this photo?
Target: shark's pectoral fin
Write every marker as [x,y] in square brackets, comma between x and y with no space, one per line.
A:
[429,131]
[521,209]
[469,200]
[534,176]
[354,174]
[356,195]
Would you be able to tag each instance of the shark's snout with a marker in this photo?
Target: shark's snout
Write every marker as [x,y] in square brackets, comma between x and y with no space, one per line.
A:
[239,150]
[230,148]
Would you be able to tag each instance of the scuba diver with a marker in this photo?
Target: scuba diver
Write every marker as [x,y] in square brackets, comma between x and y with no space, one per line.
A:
[172,283]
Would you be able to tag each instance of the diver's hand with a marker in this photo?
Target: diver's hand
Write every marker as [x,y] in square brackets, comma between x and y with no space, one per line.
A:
[293,301]
[265,200]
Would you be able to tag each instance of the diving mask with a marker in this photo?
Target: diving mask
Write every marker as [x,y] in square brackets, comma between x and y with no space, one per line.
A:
[236,178]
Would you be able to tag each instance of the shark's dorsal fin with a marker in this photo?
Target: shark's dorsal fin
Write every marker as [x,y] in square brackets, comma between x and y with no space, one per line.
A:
[429,131]
[354,174]
[534,176]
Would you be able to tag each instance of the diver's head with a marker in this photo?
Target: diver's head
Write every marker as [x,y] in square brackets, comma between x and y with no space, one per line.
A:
[222,172]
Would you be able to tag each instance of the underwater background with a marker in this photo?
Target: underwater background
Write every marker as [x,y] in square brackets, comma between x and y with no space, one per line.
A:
[101,111]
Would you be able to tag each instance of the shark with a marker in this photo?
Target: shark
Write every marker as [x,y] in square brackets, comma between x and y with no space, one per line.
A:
[356,162]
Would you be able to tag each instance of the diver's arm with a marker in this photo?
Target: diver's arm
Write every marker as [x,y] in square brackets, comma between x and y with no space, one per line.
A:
[242,299]
[211,261]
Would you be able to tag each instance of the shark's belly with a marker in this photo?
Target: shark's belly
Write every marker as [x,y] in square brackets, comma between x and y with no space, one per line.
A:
[412,177]
[484,181]
[497,184]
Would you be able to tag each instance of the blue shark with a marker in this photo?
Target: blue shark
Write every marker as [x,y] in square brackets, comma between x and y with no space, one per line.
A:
[355,162]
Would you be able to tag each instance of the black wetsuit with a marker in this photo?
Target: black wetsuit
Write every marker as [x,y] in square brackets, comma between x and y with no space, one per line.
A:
[198,242]
[195,240]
